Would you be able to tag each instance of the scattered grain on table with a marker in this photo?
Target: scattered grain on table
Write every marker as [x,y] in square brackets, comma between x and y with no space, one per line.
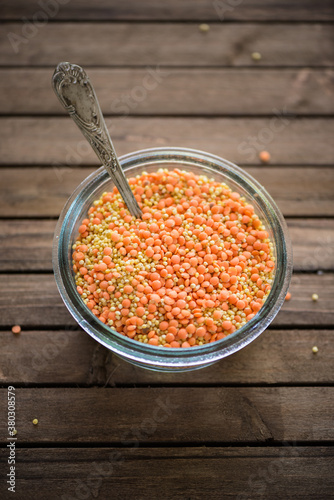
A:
[264,156]
[256,56]
[204,28]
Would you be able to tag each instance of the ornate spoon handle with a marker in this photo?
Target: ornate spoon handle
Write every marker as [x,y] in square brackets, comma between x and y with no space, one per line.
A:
[76,93]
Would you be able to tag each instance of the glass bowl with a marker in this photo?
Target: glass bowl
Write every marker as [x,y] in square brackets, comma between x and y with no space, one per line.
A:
[150,160]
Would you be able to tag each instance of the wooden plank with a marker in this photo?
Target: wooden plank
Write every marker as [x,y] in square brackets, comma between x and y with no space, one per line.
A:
[175,91]
[277,472]
[73,357]
[26,244]
[173,44]
[55,357]
[312,243]
[33,300]
[57,141]
[98,415]
[174,10]
[42,192]
[301,309]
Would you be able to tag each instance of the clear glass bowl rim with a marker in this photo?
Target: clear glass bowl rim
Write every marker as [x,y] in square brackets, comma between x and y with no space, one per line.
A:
[157,357]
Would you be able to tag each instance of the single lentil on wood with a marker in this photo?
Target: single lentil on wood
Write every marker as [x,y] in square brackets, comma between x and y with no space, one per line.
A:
[196,267]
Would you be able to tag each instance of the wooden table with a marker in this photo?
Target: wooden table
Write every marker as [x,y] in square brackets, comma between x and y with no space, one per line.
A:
[256,425]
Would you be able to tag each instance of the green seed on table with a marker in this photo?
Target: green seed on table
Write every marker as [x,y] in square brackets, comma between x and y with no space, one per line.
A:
[204,28]
[256,56]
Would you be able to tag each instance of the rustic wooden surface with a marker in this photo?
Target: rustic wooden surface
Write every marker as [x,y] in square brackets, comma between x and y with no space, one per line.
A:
[220,91]
[217,472]
[25,361]
[257,425]
[55,142]
[175,44]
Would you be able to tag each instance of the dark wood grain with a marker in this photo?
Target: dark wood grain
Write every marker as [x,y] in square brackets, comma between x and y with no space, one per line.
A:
[178,91]
[173,44]
[56,141]
[287,472]
[26,245]
[199,415]
[33,300]
[73,357]
[42,192]
[197,10]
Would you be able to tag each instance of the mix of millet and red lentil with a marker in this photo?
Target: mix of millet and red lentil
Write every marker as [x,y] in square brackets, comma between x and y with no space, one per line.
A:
[196,267]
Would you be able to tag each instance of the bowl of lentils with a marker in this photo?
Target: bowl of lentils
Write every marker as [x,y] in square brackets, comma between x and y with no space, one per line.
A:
[200,275]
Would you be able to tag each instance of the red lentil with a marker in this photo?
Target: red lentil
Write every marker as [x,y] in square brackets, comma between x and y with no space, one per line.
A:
[195,268]
[264,156]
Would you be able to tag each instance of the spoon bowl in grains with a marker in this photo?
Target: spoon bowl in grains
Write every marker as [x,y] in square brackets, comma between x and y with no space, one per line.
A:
[200,275]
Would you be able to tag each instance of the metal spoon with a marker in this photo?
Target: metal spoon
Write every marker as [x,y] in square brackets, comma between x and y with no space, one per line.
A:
[76,93]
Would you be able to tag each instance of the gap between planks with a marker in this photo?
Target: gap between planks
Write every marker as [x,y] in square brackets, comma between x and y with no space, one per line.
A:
[196,10]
